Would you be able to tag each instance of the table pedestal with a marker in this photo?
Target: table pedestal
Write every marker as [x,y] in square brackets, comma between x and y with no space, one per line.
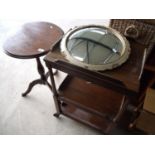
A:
[42,80]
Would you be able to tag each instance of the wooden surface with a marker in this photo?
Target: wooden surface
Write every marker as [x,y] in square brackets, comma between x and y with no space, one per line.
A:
[84,94]
[126,76]
[32,40]
[89,103]
[85,117]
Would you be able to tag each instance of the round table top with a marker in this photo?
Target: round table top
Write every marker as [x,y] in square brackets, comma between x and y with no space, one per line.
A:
[33,40]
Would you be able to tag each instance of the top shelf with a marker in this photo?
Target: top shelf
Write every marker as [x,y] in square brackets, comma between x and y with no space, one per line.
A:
[125,78]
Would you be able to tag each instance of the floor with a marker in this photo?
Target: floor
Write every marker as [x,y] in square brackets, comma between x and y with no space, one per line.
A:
[33,114]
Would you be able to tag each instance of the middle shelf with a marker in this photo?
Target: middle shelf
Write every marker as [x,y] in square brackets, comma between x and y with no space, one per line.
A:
[90,97]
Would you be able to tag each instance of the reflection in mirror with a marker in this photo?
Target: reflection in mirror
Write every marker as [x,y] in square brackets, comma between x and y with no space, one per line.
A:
[94,45]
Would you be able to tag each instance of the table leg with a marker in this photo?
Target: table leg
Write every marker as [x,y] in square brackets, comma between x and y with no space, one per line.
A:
[31,85]
[48,74]
[55,94]
[42,80]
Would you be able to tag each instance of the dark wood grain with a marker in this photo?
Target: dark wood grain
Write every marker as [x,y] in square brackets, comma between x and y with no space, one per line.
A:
[33,40]
[85,117]
[123,78]
[95,98]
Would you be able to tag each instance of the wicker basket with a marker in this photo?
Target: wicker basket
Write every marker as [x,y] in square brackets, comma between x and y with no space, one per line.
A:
[142,31]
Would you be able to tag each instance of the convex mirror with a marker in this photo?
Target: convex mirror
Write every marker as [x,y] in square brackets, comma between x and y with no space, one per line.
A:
[95,47]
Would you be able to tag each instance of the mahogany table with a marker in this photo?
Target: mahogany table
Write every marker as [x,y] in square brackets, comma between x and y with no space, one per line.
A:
[99,99]
[33,40]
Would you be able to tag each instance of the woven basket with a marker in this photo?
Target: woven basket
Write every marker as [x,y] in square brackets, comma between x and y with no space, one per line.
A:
[142,31]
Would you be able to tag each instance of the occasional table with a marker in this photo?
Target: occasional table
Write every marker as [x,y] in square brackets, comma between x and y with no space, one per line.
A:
[33,40]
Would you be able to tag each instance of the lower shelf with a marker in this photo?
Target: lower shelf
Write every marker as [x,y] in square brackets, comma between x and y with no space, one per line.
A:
[86,117]
[88,103]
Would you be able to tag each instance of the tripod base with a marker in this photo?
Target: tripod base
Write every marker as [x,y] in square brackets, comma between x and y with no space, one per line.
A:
[42,80]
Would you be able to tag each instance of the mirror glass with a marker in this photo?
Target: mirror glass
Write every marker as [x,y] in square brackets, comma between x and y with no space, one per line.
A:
[94,46]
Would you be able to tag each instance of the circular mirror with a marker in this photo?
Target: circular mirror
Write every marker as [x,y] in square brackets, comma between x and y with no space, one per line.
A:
[95,47]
